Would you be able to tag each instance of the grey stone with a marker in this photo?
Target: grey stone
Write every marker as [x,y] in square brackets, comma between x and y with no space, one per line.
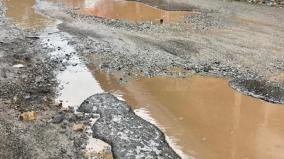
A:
[129,135]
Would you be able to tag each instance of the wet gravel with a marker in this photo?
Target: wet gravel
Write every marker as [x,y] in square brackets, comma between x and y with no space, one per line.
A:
[278,3]
[28,83]
[264,90]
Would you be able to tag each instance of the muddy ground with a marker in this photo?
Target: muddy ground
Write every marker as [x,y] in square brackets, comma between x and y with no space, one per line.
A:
[224,39]
[28,84]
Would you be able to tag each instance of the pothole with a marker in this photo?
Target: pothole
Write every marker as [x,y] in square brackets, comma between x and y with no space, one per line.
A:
[125,10]
[203,116]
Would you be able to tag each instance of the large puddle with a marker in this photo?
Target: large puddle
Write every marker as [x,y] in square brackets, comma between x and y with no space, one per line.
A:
[205,116]
[125,10]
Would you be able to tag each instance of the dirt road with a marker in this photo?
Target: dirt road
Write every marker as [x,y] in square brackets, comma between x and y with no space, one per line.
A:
[236,41]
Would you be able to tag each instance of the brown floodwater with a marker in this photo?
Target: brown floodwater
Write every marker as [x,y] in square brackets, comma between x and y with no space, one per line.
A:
[24,15]
[125,10]
[204,116]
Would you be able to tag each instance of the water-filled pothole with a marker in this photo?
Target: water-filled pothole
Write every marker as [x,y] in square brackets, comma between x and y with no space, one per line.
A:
[125,10]
[205,116]
[23,14]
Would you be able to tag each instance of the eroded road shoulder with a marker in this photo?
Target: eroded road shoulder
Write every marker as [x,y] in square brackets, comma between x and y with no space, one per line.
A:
[264,90]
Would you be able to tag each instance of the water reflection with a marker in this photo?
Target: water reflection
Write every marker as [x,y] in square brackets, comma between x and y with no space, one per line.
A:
[208,119]
[23,14]
[126,10]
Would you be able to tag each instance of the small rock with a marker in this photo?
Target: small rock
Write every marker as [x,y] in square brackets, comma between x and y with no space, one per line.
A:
[18,66]
[78,127]
[98,149]
[57,119]
[72,118]
[28,116]
[28,96]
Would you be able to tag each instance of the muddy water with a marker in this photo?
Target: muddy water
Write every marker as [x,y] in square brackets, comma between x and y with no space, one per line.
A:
[125,10]
[205,117]
[23,14]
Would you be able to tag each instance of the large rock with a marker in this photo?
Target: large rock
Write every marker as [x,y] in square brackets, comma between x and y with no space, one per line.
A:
[129,135]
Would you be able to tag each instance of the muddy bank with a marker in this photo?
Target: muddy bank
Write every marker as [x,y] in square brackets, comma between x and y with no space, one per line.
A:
[265,90]
[129,135]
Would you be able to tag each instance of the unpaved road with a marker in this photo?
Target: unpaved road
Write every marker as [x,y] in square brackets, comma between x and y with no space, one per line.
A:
[240,42]
[226,39]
